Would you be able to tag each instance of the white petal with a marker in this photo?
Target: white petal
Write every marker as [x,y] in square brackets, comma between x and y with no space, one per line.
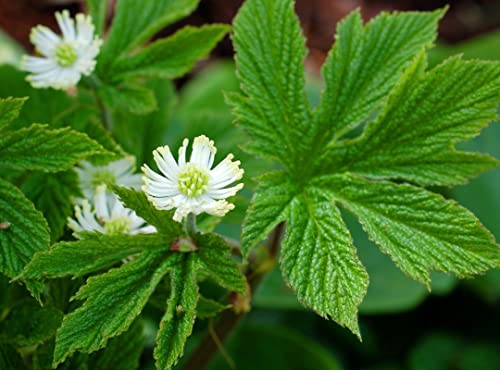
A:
[67,25]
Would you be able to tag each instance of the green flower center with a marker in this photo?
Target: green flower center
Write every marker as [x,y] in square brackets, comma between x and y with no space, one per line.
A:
[193,182]
[118,226]
[103,177]
[65,54]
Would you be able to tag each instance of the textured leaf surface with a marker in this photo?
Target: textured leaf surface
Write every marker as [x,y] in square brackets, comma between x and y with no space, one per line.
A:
[172,56]
[112,302]
[177,323]
[269,207]
[383,116]
[96,252]
[9,109]
[135,22]
[27,232]
[420,230]
[365,63]
[214,255]
[427,114]
[52,194]
[138,201]
[319,260]
[122,352]
[43,149]
[270,54]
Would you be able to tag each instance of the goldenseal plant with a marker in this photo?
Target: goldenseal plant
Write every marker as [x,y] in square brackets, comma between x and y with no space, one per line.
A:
[63,59]
[144,257]
[193,186]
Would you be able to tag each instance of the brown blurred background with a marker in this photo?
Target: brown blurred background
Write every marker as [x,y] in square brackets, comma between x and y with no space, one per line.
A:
[465,19]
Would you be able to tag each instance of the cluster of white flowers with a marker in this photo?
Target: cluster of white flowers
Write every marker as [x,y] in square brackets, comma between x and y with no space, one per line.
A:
[63,59]
[191,187]
[101,210]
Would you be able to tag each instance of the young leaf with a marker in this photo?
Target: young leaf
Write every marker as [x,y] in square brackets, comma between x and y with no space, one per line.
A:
[24,231]
[93,253]
[112,302]
[177,323]
[9,110]
[421,231]
[40,148]
[319,260]
[135,22]
[172,56]
[270,51]
[53,198]
[214,255]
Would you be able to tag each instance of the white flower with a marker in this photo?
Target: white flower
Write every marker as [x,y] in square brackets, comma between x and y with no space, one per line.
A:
[192,187]
[64,59]
[107,216]
[120,172]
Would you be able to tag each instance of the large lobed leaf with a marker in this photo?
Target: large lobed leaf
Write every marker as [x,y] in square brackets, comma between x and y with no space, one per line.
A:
[376,80]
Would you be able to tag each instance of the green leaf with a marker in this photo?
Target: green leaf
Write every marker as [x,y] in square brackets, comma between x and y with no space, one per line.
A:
[54,198]
[177,323]
[138,201]
[269,207]
[214,255]
[365,64]
[207,308]
[270,51]
[26,230]
[420,230]
[427,113]
[29,324]
[319,260]
[95,252]
[140,135]
[9,110]
[112,302]
[131,98]
[137,21]
[172,56]
[10,358]
[122,352]
[98,9]
[40,148]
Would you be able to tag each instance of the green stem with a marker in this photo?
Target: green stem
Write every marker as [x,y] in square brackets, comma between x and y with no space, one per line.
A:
[190,224]
[107,118]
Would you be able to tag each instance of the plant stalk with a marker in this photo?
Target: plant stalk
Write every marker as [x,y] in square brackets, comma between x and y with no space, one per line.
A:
[208,347]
